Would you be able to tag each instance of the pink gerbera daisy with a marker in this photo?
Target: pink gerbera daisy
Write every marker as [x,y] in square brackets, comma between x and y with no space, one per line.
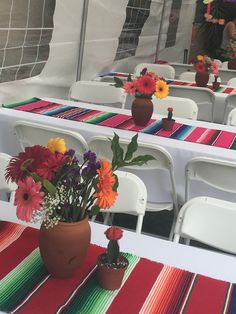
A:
[49,168]
[200,67]
[146,85]
[215,68]
[130,87]
[28,198]
[33,156]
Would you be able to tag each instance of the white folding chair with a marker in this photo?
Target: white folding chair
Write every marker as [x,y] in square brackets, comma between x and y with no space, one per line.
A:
[190,76]
[162,70]
[163,161]
[183,107]
[203,97]
[6,187]
[224,65]
[225,75]
[210,221]
[230,103]
[181,67]
[216,173]
[132,198]
[232,82]
[30,134]
[231,120]
[102,93]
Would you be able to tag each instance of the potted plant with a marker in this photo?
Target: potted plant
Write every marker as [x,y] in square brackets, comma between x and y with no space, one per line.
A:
[204,65]
[111,264]
[168,123]
[61,191]
[215,84]
[143,88]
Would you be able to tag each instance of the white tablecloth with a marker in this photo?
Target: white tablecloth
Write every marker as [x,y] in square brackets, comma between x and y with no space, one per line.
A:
[208,263]
[181,151]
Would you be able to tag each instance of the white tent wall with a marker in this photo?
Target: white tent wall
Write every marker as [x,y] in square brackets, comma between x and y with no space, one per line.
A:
[105,21]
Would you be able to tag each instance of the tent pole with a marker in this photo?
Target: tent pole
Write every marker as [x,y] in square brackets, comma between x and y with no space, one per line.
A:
[159,33]
[82,39]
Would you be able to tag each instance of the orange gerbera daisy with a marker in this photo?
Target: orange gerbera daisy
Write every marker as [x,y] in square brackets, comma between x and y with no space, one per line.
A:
[105,195]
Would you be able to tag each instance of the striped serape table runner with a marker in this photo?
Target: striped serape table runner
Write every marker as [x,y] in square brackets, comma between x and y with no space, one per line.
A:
[148,287]
[183,132]
[221,89]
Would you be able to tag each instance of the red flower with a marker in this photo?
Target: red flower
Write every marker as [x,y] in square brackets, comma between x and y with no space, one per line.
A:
[146,85]
[130,87]
[200,67]
[49,168]
[35,155]
[170,109]
[114,233]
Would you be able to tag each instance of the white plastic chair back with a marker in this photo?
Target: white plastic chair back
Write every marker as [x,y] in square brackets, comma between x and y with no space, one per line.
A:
[190,76]
[203,97]
[102,93]
[181,67]
[231,120]
[230,103]
[210,221]
[232,82]
[162,70]
[6,187]
[226,75]
[30,134]
[224,65]
[217,173]
[132,197]
[163,160]
[183,107]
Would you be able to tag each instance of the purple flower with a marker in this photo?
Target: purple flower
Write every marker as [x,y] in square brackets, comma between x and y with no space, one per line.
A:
[90,156]
[91,169]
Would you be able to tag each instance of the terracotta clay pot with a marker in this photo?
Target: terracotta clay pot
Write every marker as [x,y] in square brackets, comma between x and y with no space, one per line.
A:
[167,124]
[232,64]
[201,79]
[142,109]
[64,247]
[110,278]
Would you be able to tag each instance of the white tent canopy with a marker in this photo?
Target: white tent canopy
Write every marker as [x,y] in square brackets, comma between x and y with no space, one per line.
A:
[99,36]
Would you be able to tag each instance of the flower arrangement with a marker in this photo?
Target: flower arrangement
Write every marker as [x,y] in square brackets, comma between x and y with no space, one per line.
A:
[229,53]
[54,185]
[205,64]
[144,86]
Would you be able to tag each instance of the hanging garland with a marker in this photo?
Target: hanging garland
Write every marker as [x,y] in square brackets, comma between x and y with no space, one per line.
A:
[209,18]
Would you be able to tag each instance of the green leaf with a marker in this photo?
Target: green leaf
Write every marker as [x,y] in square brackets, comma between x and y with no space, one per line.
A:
[118,152]
[49,186]
[132,147]
[140,160]
[118,82]
[115,186]
[129,79]
[95,210]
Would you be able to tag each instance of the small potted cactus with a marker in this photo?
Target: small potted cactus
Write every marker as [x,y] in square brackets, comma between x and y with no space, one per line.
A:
[111,264]
[215,84]
[168,123]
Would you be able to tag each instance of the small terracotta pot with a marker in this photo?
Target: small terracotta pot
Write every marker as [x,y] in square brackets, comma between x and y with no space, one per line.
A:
[232,64]
[167,124]
[201,79]
[63,247]
[142,109]
[110,278]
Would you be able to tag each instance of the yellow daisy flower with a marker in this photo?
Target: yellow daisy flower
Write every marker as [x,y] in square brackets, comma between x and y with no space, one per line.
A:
[162,89]
[200,58]
[57,145]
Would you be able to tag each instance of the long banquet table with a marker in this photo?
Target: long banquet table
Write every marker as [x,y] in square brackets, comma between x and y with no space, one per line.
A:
[162,276]
[220,94]
[181,151]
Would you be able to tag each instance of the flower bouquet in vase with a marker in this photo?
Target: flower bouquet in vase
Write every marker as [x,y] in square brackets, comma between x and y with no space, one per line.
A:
[168,123]
[61,191]
[204,65]
[112,265]
[143,88]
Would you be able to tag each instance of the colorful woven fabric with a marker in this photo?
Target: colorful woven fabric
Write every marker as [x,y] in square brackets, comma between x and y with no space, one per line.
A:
[180,131]
[148,287]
